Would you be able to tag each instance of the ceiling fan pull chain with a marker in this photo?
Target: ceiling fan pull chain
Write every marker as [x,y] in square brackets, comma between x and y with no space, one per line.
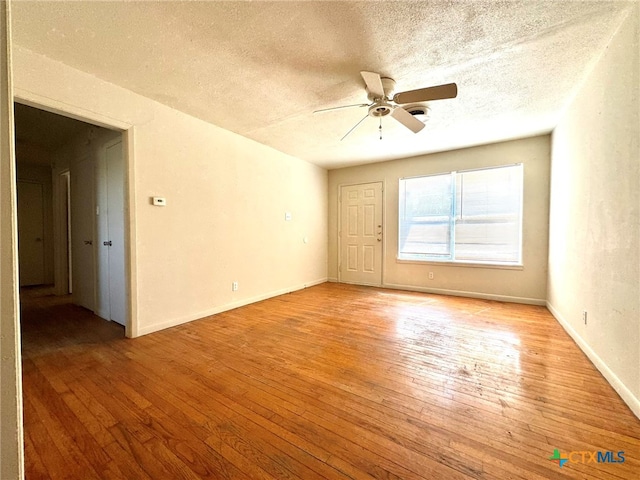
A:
[380,128]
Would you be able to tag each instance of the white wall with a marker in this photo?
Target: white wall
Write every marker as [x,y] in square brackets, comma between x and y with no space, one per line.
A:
[594,252]
[226,201]
[524,285]
[224,221]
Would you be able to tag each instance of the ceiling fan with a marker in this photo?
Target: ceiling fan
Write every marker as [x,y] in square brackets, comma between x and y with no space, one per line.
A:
[380,91]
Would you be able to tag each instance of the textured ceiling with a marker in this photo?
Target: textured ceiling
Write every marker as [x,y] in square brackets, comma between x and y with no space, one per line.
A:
[261,68]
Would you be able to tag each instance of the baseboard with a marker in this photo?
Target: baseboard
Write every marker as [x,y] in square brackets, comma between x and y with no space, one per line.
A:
[627,396]
[332,279]
[223,308]
[461,293]
[363,284]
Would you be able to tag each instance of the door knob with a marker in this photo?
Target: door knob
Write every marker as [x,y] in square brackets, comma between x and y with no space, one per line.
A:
[107,244]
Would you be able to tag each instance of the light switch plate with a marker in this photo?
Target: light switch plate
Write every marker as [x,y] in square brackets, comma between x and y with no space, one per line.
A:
[159,201]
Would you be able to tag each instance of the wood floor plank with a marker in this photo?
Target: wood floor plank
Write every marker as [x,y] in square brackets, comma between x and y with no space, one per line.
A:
[128,464]
[213,400]
[186,436]
[244,400]
[38,446]
[335,381]
[68,459]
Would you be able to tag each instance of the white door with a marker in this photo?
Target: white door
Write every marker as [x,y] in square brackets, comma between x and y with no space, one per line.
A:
[31,233]
[82,233]
[361,234]
[111,265]
[65,191]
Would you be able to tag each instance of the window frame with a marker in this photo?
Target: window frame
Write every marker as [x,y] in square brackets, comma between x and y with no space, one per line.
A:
[451,261]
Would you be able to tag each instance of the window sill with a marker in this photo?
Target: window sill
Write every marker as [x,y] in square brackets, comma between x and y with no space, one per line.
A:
[498,266]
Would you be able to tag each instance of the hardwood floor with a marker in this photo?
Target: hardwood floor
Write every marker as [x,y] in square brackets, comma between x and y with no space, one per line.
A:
[334,381]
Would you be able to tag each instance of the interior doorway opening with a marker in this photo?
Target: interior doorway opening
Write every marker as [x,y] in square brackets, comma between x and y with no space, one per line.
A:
[60,165]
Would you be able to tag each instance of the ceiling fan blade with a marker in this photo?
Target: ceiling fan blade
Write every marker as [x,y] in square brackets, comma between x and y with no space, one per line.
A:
[406,119]
[354,127]
[440,92]
[374,84]
[322,110]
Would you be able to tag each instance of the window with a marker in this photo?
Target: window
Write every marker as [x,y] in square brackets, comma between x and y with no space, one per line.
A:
[474,216]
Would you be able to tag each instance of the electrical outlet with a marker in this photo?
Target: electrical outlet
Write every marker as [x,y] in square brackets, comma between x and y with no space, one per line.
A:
[584,316]
[430,275]
[234,286]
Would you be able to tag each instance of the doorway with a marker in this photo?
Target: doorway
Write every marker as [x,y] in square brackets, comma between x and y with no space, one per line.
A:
[76,155]
[361,234]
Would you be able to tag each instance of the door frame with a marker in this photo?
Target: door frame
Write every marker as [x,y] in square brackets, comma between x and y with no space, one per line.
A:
[127,131]
[62,253]
[384,227]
